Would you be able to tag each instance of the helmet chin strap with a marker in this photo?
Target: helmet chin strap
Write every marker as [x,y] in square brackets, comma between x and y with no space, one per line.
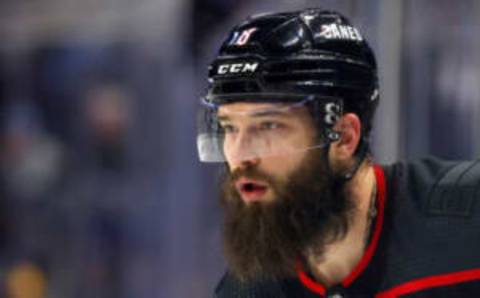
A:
[359,157]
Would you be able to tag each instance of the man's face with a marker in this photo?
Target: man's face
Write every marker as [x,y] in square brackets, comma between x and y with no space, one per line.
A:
[277,201]
[273,137]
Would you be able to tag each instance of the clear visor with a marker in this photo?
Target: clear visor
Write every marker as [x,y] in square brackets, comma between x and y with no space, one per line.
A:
[241,131]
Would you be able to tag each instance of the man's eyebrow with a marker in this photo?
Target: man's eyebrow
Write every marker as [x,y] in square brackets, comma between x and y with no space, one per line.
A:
[223,118]
[258,114]
[270,113]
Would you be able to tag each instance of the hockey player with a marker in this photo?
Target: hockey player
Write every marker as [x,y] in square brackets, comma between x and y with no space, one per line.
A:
[307,213]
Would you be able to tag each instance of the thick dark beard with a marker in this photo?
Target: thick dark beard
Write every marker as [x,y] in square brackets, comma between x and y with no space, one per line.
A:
[267,239]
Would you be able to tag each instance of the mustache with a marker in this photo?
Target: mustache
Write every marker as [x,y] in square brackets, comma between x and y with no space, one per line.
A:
[250,173]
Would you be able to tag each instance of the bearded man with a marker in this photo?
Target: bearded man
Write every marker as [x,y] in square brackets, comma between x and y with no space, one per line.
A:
[289,111]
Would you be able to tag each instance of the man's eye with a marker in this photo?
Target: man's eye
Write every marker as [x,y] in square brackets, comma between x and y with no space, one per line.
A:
[228,128]
[271,125]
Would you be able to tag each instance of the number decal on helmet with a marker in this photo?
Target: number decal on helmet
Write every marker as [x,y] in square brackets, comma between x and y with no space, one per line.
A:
[242,38]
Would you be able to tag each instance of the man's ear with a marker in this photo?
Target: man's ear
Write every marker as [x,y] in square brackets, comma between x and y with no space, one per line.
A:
[349,127]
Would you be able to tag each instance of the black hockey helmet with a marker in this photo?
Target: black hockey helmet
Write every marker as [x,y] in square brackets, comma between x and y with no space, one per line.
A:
[313,55]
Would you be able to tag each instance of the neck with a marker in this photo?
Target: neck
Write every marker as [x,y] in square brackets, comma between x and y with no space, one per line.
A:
[341,257]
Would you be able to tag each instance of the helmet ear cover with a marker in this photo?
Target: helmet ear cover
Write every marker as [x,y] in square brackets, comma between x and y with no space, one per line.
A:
[330,113]
[362,104]
[328,134]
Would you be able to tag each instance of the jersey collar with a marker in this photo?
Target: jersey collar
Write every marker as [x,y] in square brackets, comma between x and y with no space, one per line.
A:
[318,288]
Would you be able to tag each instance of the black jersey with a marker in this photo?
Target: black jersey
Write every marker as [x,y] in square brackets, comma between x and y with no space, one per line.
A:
[425,241]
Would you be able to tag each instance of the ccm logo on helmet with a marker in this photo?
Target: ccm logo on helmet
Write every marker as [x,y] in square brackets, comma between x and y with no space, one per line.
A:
[335,31]
[237,68]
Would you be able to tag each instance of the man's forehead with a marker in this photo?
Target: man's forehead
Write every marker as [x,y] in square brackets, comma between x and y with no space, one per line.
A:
[257,109]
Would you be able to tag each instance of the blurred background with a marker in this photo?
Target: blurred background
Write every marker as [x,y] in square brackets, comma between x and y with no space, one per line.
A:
[101,193]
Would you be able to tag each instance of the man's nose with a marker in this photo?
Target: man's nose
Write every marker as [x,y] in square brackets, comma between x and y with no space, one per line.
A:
[241,153]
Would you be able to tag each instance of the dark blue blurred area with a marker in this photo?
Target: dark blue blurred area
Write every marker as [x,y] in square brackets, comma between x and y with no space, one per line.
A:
[101,192]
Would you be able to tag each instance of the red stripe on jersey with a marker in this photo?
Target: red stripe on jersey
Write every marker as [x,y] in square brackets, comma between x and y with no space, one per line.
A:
[367,257]
[308,282]
[431,282]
